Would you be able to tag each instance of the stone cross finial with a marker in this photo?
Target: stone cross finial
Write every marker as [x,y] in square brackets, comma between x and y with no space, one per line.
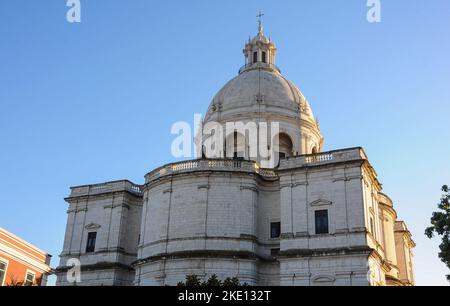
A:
[260,27]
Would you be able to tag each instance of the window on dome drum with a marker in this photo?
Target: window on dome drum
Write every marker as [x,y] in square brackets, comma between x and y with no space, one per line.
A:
[255,57]
[3,266]
[283,144]
[264,57]
[238,146]
[29,279]
[321,218]
[90,246]
[275,230]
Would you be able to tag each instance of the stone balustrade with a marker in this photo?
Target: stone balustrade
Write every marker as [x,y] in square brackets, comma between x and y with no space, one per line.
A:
[252,166]
[322,158]
[203,165]
[221,165]
[115,186]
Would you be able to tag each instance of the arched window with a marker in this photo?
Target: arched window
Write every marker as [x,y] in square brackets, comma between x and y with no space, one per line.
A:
[283,146]
[264,57]
[314,150]
[255,57]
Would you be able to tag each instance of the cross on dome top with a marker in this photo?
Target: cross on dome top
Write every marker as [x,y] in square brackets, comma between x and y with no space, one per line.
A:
[260,27]
[260,51]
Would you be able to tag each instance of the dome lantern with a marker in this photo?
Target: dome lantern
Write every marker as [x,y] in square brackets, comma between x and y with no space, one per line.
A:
[260,51]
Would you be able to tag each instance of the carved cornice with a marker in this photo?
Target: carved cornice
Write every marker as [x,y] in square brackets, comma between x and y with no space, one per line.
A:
[325,252]
[245,255]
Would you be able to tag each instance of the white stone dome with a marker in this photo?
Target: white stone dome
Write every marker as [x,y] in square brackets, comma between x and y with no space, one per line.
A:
[261,94]
[242,96]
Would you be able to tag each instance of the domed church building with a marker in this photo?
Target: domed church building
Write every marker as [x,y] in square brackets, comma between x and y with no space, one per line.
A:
[309,218]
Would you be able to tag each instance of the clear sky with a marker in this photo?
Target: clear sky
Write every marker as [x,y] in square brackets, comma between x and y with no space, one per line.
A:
[95,101]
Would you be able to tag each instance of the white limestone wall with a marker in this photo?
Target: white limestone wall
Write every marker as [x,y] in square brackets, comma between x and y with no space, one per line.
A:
[268,212]
[104,277]
[115,217]
[326,259]
[170,272]
[336,189]
[335,270]
[207,214]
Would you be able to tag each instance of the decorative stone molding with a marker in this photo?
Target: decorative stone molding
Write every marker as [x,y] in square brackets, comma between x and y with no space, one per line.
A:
[92,226]
[251,188]
[347,178]
[292,253]
[77,210]
[224,254]
[108,187]
[112,206]
[97,266]
[320,202]
[323,279]
[285,186]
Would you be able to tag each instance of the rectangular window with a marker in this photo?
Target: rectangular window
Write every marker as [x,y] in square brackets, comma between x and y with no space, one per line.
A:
[3,266]
[255,57]
[321,217]
[90,246]
[29,279]
[264,57]
[275,230]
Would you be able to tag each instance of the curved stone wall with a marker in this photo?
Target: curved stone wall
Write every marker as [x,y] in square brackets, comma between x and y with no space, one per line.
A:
[208,215]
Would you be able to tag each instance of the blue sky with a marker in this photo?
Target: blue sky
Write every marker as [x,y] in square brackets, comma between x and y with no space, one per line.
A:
[95,101]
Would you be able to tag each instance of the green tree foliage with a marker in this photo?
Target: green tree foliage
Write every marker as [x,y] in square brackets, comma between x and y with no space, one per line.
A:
[213,281]
[231,282]
[440,222]
[191,281]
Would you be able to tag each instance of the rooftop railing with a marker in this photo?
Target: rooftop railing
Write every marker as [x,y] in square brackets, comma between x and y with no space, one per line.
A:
[229,165]
[252,166]
[209,165]
[123,185]
[325,157]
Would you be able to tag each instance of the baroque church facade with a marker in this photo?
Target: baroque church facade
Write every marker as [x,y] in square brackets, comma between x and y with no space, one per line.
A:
[315,218]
